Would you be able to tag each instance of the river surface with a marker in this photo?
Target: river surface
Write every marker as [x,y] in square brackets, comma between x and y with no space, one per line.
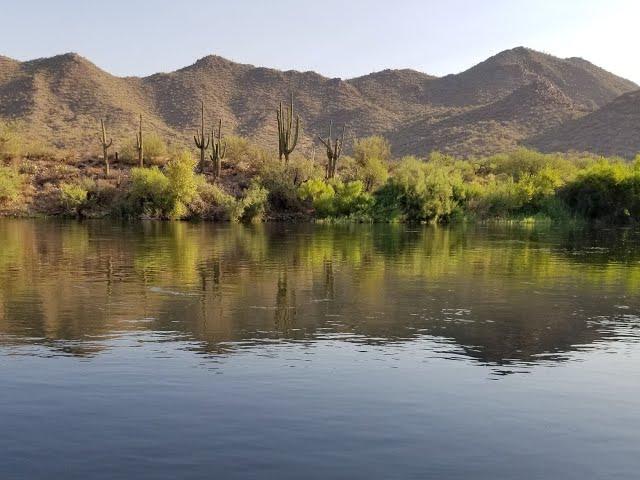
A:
[189,351]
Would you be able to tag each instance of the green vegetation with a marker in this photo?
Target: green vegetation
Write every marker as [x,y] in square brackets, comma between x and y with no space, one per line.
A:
[368,186]
[73,198]
[372,157]
[11,182]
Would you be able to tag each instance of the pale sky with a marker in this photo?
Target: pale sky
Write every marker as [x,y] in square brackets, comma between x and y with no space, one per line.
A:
[337,38]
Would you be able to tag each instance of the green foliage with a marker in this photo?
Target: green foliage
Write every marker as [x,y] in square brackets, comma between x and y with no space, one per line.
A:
[372,155]
[11,182]
[73,198]
[280,181]
[320,194]
[214,203]
[155,193]
[253,203]
[420,192]
[149,193]
[336,198]
[605,191]
[351,198]
[183,185]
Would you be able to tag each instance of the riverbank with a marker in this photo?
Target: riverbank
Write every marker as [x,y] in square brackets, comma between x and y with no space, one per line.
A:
[518,187]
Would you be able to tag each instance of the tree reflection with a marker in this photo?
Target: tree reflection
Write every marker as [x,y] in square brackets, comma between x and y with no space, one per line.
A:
[503,295]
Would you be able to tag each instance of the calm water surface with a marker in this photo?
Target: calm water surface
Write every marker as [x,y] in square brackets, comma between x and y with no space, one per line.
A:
[171,350]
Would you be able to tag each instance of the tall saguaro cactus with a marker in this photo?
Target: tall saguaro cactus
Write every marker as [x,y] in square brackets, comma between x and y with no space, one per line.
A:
[105,147]
[334,150]
[287,134]
[202,142]
[219,150]
[140,144]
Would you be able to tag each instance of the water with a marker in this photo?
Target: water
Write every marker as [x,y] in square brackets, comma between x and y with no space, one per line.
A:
[172,350]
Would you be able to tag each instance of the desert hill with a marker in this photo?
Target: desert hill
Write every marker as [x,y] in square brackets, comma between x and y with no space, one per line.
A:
[497,104]
[612,130]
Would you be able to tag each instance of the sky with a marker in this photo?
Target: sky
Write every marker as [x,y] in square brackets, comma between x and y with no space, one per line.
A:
[337,38]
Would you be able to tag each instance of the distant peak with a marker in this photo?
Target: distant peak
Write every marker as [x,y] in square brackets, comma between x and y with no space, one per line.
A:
[70,56]
[62,59]
[212,61]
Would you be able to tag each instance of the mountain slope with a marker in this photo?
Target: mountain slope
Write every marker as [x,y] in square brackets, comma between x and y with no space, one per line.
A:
[491,128]
[586,84]
[612,130]
[492,106]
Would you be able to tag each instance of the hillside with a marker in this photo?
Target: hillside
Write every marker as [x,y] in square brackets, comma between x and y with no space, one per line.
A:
[612,130]
[494,127]
[494,105]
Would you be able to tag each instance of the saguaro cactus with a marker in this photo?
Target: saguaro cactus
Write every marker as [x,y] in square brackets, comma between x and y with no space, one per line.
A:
[287,134]
[105,147]
[202,142]
[219,149]
[140,144]
[334,150]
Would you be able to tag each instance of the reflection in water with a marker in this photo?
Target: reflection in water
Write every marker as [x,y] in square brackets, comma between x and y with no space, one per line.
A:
[497,295]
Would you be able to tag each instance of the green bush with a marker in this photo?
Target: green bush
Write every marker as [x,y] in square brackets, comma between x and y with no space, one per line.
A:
[280,183]
[253,203]
[149,193]
[372,155]
[320,195]
[211,202]
[73,198]
[336,198]
[167,194]
[11,182]
[605,191]
[419,192]
[183,183]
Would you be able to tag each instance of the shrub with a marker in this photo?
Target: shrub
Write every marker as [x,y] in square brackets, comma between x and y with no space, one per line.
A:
[351,198]
[320,194]
[372,155]
[73,198]
[149,193]
[253,203]
[214,203]
[11,182]
[605,190]
[419,192]
[183,184]
[336,198]
[244,154]
[155,150]
[279,181]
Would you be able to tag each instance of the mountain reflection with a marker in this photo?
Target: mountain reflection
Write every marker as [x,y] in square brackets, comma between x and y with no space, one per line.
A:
[497,295]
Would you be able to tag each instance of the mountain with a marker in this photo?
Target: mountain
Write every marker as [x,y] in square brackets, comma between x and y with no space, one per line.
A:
[612,130]
[497,104]
[494,127]
[586,84]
